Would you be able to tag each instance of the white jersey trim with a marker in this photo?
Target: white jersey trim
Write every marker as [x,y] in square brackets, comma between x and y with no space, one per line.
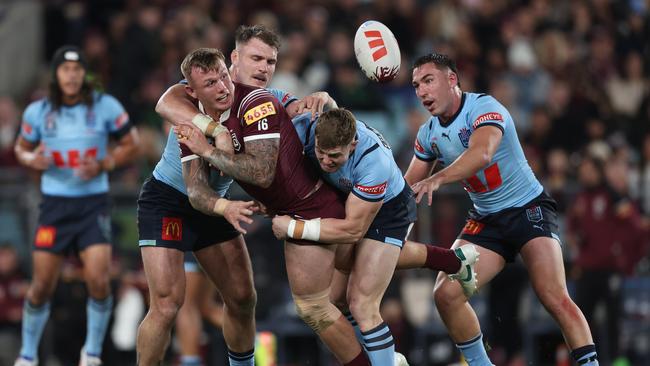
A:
[262,136]
[189,157]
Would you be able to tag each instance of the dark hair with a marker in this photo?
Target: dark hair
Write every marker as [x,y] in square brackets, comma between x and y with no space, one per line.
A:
[246,32]
[336,127]
[440,60]
[61,55]
[205,59]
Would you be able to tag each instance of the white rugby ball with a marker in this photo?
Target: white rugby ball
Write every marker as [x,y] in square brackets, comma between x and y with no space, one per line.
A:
[377,51]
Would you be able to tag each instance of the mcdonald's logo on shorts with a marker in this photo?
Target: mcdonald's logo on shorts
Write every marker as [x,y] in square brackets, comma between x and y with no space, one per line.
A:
[45,236]
[172,228]
[473,227]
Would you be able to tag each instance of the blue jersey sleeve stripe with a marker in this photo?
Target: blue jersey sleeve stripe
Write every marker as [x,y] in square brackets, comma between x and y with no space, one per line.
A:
[368,151]
[425,159]
[495,124]
[367,198]
[122,131]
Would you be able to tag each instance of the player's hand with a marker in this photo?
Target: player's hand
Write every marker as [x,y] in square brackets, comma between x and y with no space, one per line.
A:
[193,138]
[426,186]
[37,159]
[89,167]
[281,226]
[313,103]
[223,142]
[263,210]
[237,212]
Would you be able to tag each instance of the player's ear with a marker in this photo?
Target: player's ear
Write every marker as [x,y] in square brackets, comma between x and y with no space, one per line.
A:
[234,55]
[453,79]
[353,145]
[191,92]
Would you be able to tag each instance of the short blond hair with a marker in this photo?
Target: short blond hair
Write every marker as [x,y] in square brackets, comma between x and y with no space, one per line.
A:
[336,127]
[206,59]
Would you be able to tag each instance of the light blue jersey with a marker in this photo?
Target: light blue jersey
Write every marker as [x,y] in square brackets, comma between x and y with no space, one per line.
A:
[71,134]
[508,180]
[370,173]
[169,169]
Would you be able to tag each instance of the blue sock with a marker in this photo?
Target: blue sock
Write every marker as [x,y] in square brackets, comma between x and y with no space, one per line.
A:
[379,345]
[586,355]
[191,361]
[357,330]
[34,320]
[241,359]
[98,313]
[474,351]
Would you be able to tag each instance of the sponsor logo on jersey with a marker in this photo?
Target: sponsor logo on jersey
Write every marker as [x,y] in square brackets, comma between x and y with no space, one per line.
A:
[378,189]
[534,214]
[172,228]
[45,236]
[257,113]
[473,227]
[286,98]
[418,147]
[464,135]
[490,116]
[121,120]
[50,124]
[27,128]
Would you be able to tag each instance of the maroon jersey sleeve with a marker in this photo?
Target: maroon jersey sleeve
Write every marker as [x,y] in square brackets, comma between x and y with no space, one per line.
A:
[260,115]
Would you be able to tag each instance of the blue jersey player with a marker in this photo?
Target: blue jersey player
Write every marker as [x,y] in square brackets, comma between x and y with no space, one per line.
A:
[380,211]
[66,137]
[473,137]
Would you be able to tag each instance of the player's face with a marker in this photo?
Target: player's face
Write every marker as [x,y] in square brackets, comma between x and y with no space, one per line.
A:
[331,160]
[254,63]
[434,88]
[70,76]
[213,88]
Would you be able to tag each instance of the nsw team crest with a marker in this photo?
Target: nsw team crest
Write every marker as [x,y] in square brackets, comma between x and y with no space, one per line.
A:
[464,135]
[534,214]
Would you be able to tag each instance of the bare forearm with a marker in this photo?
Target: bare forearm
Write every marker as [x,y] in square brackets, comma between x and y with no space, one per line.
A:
[243,167]
[176,106]
[467,164]
[203,199]
[123,153]
[337,231]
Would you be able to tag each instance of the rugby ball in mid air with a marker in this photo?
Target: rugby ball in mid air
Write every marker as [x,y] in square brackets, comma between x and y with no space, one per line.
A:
[377,51]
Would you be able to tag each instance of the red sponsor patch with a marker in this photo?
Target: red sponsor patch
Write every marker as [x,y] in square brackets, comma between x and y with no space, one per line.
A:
[490,116]
[172,228]
[45,236]
[418,147]
[121,120]
[472,227]
[27,128]
[285,98]
[378,189]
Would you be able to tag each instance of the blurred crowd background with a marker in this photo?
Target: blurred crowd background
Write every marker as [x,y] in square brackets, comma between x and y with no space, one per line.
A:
[574,75]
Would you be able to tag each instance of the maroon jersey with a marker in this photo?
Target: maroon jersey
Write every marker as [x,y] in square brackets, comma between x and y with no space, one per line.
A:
[296,189]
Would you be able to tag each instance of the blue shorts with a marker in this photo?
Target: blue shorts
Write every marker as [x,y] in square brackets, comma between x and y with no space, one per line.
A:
[167,219]
[71,224]
[505,232]
[394,219]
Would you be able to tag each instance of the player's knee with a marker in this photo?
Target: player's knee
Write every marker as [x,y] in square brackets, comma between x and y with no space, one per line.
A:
[242,301]
[448,295]
[554,301]
[316,310]
[98,285]
[40,292]
[166,307]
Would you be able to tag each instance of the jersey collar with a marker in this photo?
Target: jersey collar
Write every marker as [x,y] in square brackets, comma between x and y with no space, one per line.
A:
[453,118]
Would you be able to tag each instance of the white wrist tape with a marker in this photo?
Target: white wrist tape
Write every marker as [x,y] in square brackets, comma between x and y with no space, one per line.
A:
[301,229]
[207,125]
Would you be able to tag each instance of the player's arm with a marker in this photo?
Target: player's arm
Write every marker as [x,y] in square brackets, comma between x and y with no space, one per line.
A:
[315,103]
[202,197]
[177,106]
[255,166]
[31,155]
[418,170]
[123,153]
[482,145]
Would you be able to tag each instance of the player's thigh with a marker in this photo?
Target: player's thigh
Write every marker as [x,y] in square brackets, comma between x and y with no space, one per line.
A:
[309,267]
[490,263]
[46,270]
[339,289]
[96,260]
[373,269]
[543,259]
[195,283]
[228,266]
[163,268]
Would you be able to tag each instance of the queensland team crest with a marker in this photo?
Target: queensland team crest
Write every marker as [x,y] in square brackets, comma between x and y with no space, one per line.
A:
[464,135]
[534,214]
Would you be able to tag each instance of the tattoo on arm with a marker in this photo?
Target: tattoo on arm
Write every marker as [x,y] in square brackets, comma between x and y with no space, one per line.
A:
[196,174]
[256,166]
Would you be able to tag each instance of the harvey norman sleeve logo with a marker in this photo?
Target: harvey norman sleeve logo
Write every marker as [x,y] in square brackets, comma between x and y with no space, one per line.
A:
[490,116]
[374,190]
